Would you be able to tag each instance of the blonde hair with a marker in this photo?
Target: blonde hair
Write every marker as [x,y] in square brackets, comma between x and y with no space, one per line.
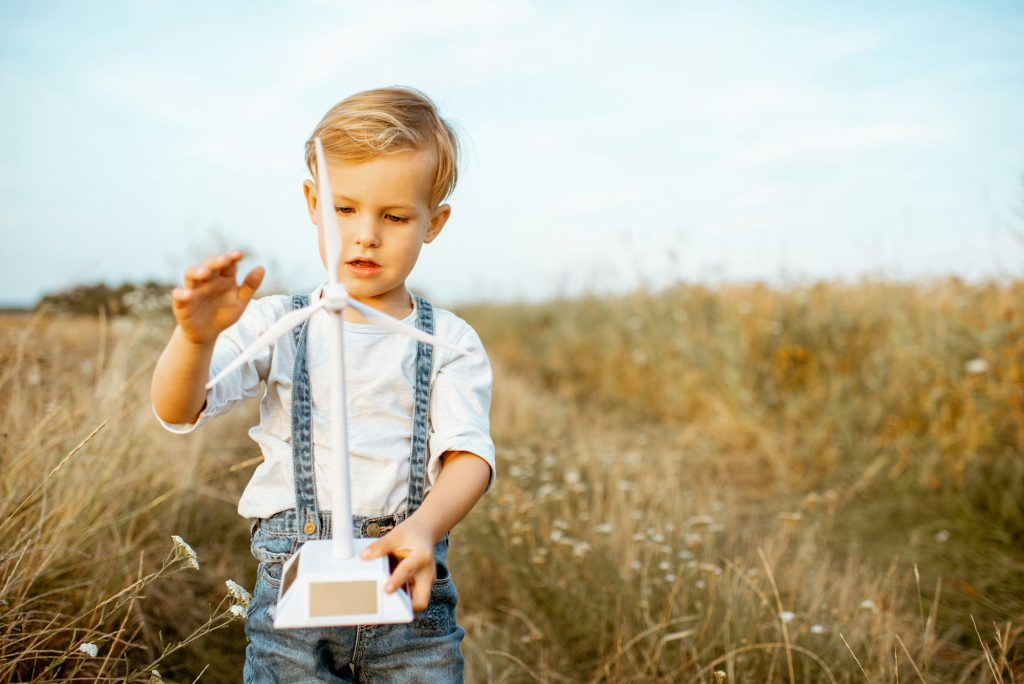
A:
[384,120]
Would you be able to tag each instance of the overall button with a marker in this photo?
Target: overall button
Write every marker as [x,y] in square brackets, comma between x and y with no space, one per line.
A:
[309,528]
[373,530]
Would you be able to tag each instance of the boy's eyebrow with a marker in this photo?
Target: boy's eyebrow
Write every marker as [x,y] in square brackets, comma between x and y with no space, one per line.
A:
[349,200]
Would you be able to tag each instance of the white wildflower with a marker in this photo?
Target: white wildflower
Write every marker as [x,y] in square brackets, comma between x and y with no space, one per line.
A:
[658,538]
[670,578]
[88,649]
[571,476]
[868,604]
[700,584]
[636,565]
[976,367]
[580,549]
[719,676]
[238,593]
[787,616]
[556,536]
[185,552]
[155,678]
[238,610]
[817,629]
[603,528]
[942,536]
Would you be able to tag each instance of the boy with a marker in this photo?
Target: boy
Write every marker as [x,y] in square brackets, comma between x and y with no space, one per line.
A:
[420,449]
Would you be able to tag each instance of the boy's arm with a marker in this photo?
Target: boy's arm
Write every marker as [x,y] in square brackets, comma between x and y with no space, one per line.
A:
[210,302]
[462,481]
[178,391]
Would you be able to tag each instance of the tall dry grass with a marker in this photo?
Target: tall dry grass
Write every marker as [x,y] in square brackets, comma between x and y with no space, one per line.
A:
[810,484]
[865,438]
[90,498]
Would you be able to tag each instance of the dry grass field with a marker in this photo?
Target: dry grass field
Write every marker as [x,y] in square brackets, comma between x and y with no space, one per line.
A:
[821,483]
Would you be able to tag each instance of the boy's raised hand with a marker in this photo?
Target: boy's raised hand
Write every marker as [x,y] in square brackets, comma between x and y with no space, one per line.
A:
[212,300]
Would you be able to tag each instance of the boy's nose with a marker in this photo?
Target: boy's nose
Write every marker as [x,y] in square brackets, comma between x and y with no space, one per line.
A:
[366,234]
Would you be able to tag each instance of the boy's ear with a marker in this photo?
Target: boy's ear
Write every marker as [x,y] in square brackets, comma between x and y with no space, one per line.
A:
[309,190]
[437,221]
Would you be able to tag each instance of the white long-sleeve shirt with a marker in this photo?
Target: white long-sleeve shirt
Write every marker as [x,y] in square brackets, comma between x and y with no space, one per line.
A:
[380,376]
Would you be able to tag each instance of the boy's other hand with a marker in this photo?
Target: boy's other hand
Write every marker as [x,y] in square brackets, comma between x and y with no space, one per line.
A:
[212,300]
[413,545]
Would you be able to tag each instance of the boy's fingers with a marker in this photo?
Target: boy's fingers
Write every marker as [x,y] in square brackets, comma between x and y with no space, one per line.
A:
[421,592]
[195,276]
[229,269]
[378,548]
[251,283]
[402,574]
[225,264]
[180,295]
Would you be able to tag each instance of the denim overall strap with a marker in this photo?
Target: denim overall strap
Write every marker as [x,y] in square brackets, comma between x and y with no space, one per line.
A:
[421,407]
[306,511]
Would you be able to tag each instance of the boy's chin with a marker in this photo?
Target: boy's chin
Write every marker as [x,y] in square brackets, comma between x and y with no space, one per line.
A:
[365,290]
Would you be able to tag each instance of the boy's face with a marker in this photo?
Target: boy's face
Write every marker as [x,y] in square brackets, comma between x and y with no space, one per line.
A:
[383,210]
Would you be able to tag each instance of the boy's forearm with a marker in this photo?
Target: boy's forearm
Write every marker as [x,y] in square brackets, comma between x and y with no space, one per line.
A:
[463,480]
[178,391]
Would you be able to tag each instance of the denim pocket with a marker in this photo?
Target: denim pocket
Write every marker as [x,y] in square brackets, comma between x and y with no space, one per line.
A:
[439,617]
[271,546]
[270,574]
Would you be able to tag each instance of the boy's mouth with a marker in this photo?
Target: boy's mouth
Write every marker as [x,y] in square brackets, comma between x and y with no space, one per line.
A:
[362,266]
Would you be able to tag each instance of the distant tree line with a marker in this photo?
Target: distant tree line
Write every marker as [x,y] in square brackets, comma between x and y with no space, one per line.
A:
[129,299]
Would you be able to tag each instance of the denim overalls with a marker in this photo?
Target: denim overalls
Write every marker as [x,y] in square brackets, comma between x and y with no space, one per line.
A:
[425,650]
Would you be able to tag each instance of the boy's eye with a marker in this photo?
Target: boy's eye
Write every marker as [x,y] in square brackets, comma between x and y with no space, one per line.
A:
[344,210]
[394,218]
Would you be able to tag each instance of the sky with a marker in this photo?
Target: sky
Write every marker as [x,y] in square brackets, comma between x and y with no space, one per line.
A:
[609,145]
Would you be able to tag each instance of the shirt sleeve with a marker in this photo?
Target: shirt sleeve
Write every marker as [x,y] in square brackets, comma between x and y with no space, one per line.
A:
[242,383]
[460,406]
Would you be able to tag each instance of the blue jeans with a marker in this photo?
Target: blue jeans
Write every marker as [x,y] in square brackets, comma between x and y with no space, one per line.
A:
[425,650]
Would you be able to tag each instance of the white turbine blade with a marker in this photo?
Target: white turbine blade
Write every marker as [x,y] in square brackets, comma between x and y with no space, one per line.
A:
[328,218]
[382,320]
[283,325]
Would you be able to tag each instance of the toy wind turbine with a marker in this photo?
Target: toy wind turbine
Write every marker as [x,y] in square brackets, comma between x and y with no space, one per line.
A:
[326,583]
